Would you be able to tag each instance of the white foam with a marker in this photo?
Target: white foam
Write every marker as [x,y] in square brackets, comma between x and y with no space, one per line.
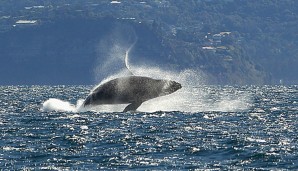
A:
[231,105]
[54,104]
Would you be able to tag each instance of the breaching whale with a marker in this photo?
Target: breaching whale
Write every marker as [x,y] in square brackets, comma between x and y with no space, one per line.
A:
[132,90]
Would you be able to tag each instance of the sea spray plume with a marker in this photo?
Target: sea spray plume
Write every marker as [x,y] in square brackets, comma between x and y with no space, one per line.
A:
[127,55]
[112,51]
[123,72]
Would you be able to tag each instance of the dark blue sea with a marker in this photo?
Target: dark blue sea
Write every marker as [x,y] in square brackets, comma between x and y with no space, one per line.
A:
[203,127]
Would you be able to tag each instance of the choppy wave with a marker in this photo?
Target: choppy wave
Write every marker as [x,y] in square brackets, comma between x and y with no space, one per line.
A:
[262,136]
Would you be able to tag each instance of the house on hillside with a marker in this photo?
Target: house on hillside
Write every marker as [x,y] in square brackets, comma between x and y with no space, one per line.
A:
[24,23]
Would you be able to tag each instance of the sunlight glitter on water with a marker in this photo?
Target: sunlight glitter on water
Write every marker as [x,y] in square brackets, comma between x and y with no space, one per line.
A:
[257,138]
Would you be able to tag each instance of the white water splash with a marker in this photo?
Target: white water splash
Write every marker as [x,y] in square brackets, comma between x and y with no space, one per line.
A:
[54,104]
[127,56]
[113,51]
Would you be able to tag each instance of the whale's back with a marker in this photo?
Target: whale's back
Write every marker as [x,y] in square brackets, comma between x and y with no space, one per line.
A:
[126,90]
[133,90]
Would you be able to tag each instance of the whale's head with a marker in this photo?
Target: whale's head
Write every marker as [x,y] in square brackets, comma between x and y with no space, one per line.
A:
[171,87]
[88,100]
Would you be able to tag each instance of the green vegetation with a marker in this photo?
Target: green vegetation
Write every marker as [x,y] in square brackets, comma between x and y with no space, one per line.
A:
[232,41]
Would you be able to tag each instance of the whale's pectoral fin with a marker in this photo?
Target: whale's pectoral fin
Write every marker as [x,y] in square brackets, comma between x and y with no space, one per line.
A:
[132,106]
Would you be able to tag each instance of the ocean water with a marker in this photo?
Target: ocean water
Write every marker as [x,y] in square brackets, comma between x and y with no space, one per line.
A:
[197,127]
